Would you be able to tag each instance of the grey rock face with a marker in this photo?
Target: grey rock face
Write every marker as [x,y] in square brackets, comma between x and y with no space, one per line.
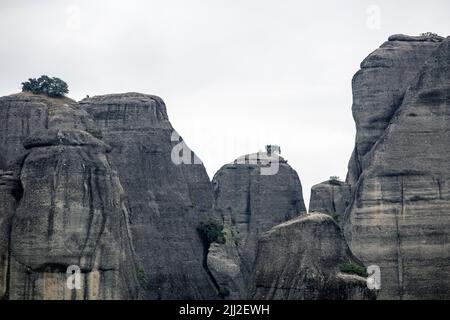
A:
[378,91]
[71,213]
[250,203]
[166,200]
[399,218]
[301,259]
[330,197]
[224,263]
[24,114]
[62,205]
[10,190]
[428,37]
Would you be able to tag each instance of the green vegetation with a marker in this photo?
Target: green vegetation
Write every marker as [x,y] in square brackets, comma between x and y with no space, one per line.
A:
[224,292]
[335,180]
[142,277]
[97,133]
[210,232]
[52,87]
[354,268]
[429,34]
[335,216]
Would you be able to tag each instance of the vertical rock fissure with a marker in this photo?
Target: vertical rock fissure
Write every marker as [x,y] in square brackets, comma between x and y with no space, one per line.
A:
[206,268]
[248,208]
[104,217]
[8,267]
[53,193]
[439,188]
[399,243]
[91,212]
[333,204]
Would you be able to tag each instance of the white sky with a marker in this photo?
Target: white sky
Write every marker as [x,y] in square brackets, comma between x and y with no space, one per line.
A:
[235,75]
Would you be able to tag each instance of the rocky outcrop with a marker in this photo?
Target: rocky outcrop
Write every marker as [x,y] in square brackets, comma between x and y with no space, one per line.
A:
[400,215]
[379,88]
[225,265]
[302,259]
[331,197]
[80,208]
[252,194]
[24,114]
[107,186]
[61,205]
[426,37]
[167,193]
[71,213]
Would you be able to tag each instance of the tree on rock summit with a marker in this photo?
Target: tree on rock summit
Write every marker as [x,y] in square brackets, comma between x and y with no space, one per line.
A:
[52,87]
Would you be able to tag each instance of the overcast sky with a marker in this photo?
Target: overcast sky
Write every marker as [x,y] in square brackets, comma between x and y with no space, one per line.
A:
[235,75]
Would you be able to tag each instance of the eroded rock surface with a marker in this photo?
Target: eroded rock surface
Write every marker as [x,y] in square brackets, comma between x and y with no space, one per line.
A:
[302,259]
[71,213]
[24,114]
[379,88]
[165,197]
[400,215]
[331,197]
[250,201]
[10,191]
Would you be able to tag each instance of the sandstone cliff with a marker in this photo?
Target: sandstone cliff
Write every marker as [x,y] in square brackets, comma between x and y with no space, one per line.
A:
[399,218]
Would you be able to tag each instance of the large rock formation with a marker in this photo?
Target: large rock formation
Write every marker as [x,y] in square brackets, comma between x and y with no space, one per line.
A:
[109,186]
[331,197]
[167,193]
[252,194]
[61,205]
[379,88]
[302,259]
[71,213]
[78,195]
[400,170]
[24,114]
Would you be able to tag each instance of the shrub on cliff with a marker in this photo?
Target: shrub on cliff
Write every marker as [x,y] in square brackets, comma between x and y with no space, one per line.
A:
[211,232]
[335,180]
[52,87]
[354,268]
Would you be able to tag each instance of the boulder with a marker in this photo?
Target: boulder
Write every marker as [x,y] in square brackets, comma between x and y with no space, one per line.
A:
[302,259]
